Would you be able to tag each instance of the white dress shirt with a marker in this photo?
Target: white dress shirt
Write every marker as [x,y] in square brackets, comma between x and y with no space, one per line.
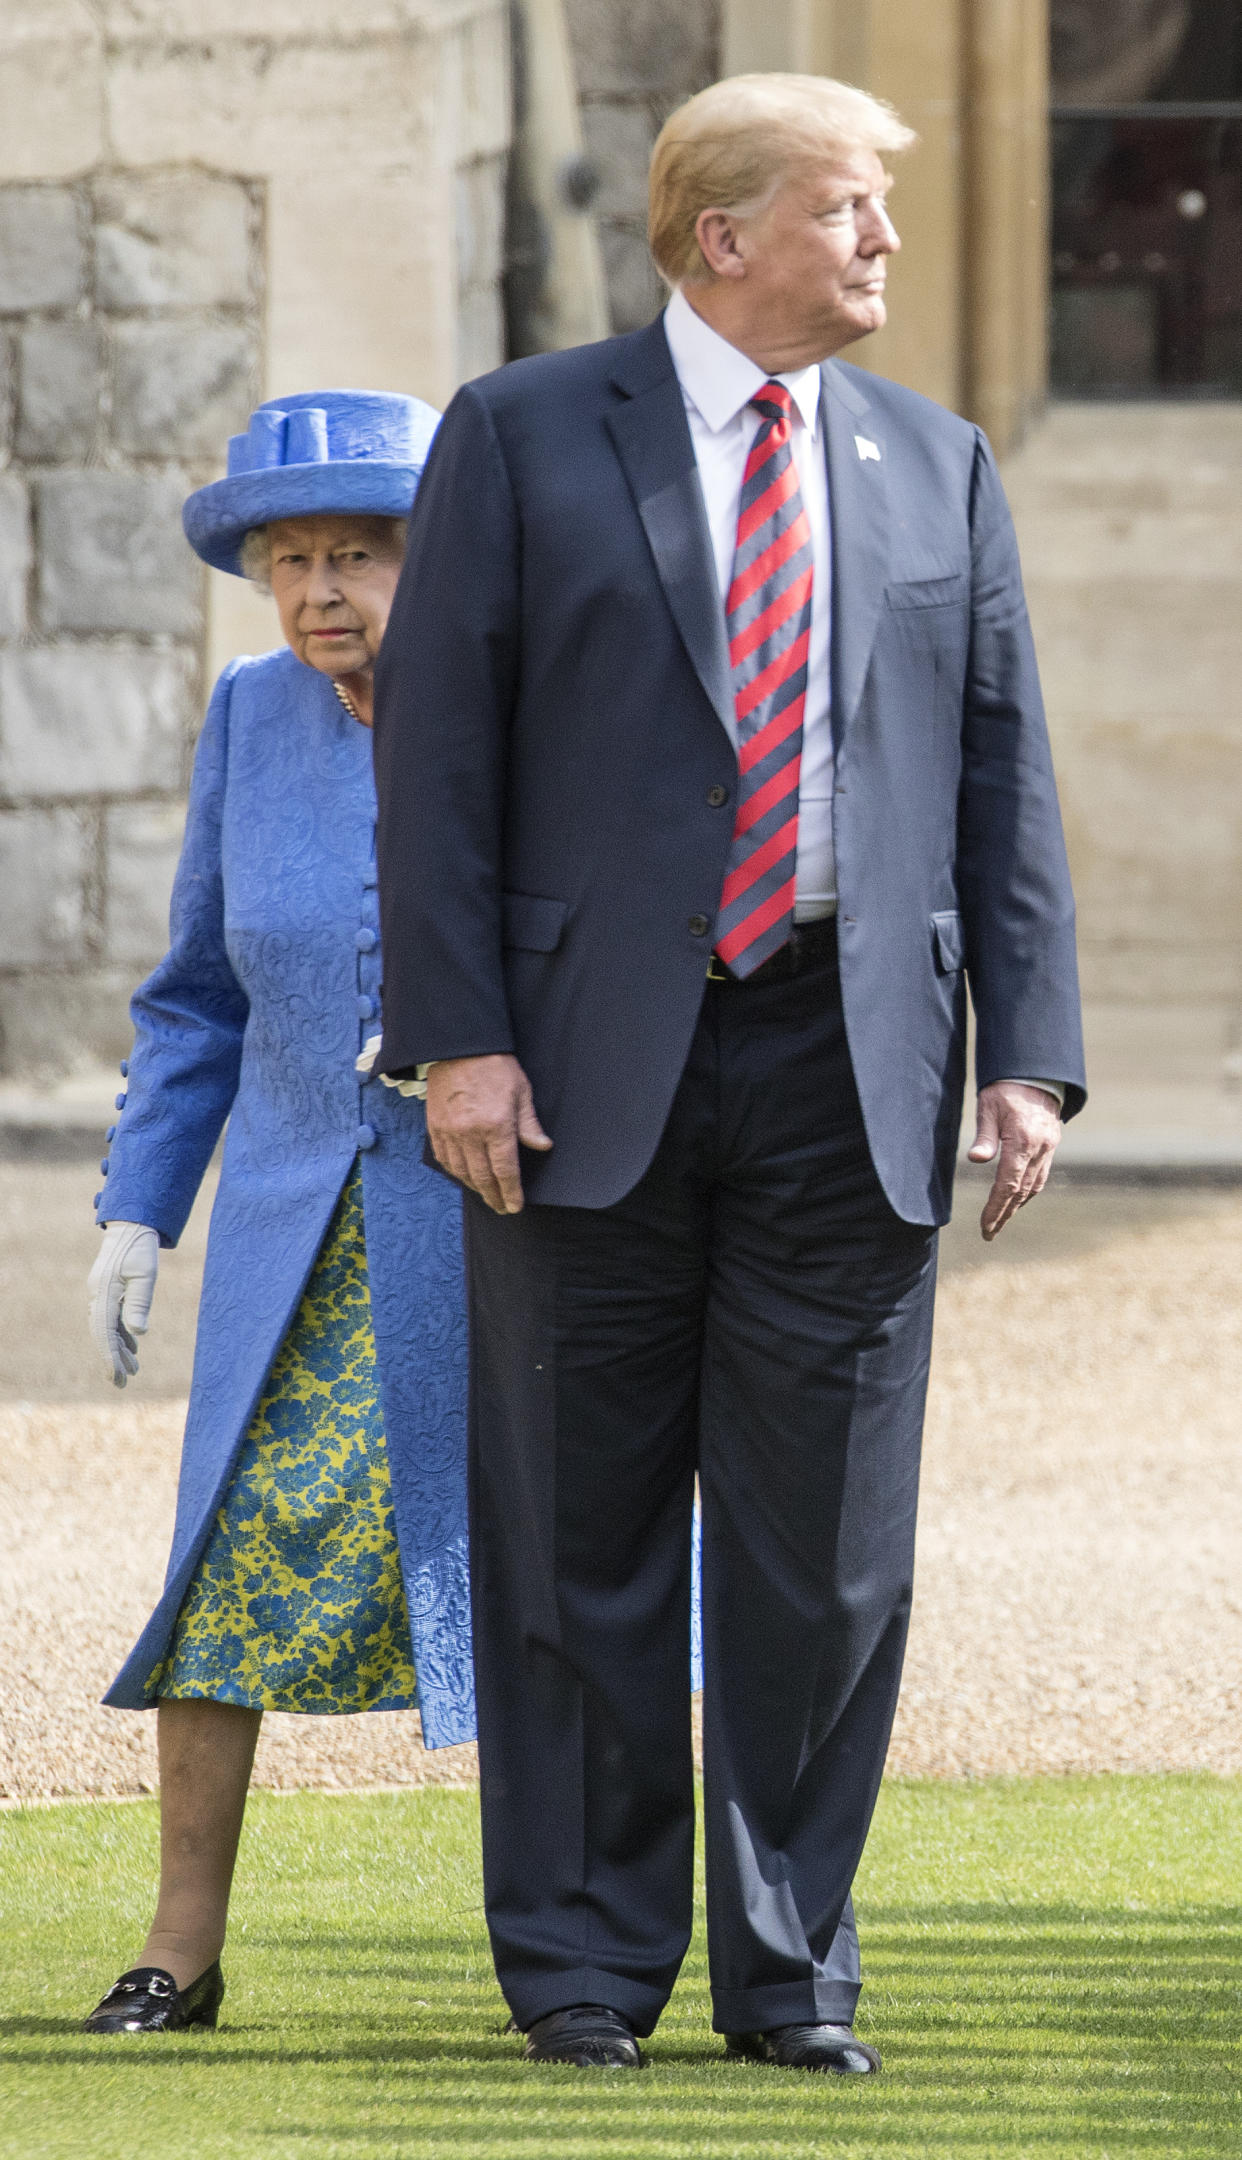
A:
[717,384]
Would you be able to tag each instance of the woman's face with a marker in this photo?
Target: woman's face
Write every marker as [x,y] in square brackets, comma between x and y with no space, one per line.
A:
[333,579]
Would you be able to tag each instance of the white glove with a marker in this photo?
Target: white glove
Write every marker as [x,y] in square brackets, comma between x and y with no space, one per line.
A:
[121,1286]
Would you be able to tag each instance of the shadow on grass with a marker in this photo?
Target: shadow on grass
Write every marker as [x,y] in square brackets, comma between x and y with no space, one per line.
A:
[1007,2030]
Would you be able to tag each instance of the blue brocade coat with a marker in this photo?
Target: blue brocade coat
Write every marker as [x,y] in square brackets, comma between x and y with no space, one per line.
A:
[257,1015]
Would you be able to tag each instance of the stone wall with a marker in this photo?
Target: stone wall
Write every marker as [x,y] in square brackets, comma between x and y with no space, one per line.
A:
[130,346]
[202,203]
[635,60]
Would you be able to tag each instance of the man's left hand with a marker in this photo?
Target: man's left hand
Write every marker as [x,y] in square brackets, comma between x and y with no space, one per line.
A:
[1024,1125]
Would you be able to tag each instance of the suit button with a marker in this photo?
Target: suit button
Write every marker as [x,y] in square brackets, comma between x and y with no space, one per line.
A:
[698,925]
[717,795]
[366,1007]
[366,940]
[365,1137]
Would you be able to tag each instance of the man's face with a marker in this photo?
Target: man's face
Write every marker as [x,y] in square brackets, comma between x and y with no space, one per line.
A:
[816,256]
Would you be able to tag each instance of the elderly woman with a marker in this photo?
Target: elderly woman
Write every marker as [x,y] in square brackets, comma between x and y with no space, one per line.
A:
[319,1555]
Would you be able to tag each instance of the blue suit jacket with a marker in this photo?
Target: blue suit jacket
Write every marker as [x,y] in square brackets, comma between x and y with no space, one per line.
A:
[552,696]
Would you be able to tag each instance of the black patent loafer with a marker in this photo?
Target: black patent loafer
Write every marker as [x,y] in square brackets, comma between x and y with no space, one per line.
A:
[587,2035]
[147,1999]
[832,2048]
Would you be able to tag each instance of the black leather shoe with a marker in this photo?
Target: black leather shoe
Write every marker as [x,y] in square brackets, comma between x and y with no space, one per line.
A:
[807,2047]
[586,2035]
[147,1999]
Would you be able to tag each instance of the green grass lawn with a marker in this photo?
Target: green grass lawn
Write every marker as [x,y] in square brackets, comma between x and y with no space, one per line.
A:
[1054,1970]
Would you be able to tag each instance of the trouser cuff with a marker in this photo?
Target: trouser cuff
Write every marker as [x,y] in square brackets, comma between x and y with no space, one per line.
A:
[795,2002]
[533,1998]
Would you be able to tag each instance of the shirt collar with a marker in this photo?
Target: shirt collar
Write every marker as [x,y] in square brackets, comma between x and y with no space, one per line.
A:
[720,380]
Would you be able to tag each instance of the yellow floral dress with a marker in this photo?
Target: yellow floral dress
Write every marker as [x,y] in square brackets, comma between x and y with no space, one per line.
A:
[297,1602]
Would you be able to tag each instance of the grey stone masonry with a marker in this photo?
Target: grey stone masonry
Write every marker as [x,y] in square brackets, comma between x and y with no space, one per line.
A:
[44,862]
[14,555]
[130,340]
[111,556]
[635,60]
[143,844]
[479,208]
[42,248]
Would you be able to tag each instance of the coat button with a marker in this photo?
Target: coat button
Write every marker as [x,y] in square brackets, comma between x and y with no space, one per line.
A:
[111,1133]
[717,795]
[124,1068]
[366,940]
[698,926]
[370,876]
[365,1137]
[366,1007]
[98,1197]
[103,1167]
[120,1102]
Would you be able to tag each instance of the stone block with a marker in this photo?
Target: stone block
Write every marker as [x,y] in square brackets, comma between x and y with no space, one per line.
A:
[45,856]
[646,47]
[246,105]
[93,720]
[113,555]
[618,139]
[181,388]
[635,292]
[142,842]
[477,85]
[179,239]
[42,259]
[8,374]
[14,555]
[51,88]
[1144,801]
[480,332]
[60,368]
[479,196]
[85,1018]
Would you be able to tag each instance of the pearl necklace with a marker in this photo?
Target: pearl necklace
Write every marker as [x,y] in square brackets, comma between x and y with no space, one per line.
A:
[348,703]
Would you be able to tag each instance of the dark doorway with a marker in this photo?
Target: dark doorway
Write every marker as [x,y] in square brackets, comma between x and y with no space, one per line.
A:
[1147,198]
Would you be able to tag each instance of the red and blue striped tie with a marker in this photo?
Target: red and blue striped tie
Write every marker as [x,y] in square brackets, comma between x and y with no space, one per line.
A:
[768,613]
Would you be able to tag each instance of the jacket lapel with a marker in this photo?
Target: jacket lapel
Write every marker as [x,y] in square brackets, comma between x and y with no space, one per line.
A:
[652,440]
[859,502]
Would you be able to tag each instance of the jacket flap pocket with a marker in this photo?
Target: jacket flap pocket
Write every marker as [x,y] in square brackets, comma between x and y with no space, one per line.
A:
[929,592]
[533,924]
[950,941]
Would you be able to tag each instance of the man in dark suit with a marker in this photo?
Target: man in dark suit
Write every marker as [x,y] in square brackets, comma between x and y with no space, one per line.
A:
[711,764]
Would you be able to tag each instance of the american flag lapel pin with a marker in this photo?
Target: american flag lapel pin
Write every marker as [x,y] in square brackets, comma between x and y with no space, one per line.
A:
[866,449]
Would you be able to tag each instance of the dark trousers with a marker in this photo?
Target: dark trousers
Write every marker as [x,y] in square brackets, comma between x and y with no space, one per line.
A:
[753,1311]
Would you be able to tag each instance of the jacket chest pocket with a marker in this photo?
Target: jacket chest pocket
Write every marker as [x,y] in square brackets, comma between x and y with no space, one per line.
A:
[907,594]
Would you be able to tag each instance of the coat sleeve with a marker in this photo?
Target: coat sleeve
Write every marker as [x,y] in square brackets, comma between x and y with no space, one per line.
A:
[444,697]
[1013,876]
[189,1019]
[1011,871]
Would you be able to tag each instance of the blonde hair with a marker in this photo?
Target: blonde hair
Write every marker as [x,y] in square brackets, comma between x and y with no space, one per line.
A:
[730,147]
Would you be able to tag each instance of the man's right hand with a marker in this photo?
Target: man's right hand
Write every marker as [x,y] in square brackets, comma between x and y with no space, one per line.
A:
[478,1110]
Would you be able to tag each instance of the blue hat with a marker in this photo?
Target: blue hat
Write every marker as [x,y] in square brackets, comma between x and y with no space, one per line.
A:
[327,450]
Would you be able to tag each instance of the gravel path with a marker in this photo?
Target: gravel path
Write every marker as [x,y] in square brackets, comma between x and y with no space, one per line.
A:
[1079,1601]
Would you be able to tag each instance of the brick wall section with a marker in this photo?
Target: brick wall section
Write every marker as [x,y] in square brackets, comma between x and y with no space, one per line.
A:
[130,323]
[635,60]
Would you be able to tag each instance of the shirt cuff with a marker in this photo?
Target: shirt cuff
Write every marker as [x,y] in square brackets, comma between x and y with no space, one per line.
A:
[1055,1088]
